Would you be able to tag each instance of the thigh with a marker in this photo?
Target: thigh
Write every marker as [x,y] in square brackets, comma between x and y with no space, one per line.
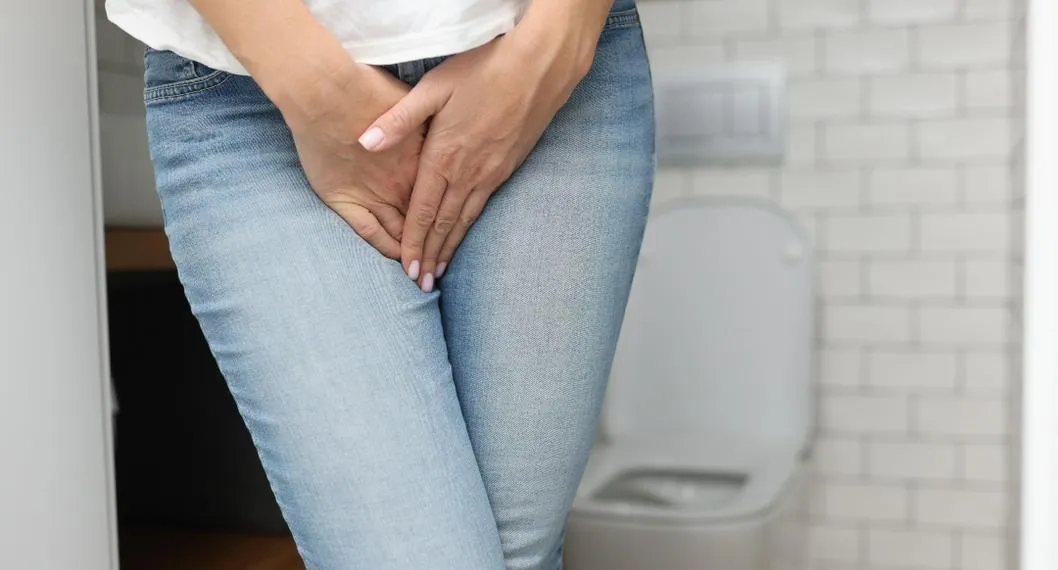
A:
[336,360]
[535,297]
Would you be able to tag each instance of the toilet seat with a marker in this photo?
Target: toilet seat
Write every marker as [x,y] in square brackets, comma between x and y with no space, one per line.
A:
[700,458]
[745,477]
[719,328]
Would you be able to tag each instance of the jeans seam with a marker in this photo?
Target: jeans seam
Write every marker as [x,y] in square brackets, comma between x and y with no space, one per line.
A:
[623,19]
[185,88]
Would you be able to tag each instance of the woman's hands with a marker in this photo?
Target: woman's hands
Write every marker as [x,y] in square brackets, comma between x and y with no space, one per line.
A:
[489,107]
[370,191]
[326,100]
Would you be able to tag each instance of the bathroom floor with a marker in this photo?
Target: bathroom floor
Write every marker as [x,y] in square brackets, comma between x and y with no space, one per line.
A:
[164,549]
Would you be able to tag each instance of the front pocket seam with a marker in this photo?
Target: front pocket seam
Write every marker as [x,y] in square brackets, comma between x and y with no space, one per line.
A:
[624,19]
[185,88]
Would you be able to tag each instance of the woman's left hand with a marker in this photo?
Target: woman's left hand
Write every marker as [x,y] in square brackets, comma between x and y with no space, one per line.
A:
[489,107]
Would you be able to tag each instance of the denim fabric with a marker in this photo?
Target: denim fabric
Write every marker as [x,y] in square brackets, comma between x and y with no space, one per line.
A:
[402,430]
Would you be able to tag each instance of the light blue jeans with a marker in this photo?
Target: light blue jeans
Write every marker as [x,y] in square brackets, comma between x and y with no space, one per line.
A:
[402,430]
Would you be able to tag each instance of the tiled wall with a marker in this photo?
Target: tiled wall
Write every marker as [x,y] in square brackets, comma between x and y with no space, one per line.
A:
[903,128]
[128,178]
[1017,271]
[120,67]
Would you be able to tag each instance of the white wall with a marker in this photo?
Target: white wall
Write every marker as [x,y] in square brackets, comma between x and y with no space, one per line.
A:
[904,126]
[1038,205]
[128,176]
[1017,277]
[55,505]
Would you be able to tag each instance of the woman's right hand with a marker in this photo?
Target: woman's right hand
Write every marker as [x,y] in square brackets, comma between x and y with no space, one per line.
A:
[370,191]
[327,100]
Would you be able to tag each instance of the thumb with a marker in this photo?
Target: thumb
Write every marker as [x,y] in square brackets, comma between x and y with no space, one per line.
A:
[406,117]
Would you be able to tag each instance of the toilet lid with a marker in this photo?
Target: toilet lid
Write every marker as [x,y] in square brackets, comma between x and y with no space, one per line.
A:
[718,336]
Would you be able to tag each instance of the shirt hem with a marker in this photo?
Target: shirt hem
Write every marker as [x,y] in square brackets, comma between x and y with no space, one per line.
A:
[435,43]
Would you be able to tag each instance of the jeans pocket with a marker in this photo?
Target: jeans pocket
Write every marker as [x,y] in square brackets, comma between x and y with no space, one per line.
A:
[171,76]
[622,17]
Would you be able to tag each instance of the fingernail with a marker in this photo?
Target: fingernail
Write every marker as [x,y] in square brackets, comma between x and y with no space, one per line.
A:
[413,270]
[372,138]
[427,283]
[441,269]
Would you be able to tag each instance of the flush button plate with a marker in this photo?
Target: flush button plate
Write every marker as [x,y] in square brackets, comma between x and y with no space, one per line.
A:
[712,114]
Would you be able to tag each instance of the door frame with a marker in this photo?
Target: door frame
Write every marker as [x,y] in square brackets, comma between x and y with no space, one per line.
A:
[57,484]
[1039,403]
[106,385]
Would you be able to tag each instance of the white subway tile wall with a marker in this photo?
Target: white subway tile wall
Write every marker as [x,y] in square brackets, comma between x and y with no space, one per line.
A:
[979,551]
[911,11]
[912,371]
[970,508]
[988,89]
[816,14]
[120,61]
[854,502]
[913,185]
[865,51]
[967,46]
[910,549]
[835,544]
[904,129]
[914,95]
[796,51]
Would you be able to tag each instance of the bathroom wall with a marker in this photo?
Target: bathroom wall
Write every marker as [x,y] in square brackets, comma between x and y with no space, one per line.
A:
[1017,272]
[128,179]
[904,130]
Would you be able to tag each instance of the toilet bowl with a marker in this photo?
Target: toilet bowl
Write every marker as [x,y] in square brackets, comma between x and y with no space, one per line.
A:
[700,463]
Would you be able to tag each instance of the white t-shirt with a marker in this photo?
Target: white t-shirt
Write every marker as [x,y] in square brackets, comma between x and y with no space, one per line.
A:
[375,32]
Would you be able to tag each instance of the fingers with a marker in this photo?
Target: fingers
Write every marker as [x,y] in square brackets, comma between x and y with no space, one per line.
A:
[368,227]
[472,209]
[391,219]
[407,116]
[426,198]
[446,220]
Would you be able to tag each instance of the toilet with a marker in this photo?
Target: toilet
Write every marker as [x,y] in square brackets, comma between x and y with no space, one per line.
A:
[701,458]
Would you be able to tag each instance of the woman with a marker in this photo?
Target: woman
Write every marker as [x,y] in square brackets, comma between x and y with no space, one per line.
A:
[411,268]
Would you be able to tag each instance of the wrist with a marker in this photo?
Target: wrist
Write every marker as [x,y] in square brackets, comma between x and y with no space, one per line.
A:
[299,64]
[292,57]
[301,87]
[562,31]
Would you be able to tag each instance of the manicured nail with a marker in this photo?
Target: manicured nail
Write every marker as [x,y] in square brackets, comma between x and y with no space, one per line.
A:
[372,138]
[427,283]
[441,269]
[413,270]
